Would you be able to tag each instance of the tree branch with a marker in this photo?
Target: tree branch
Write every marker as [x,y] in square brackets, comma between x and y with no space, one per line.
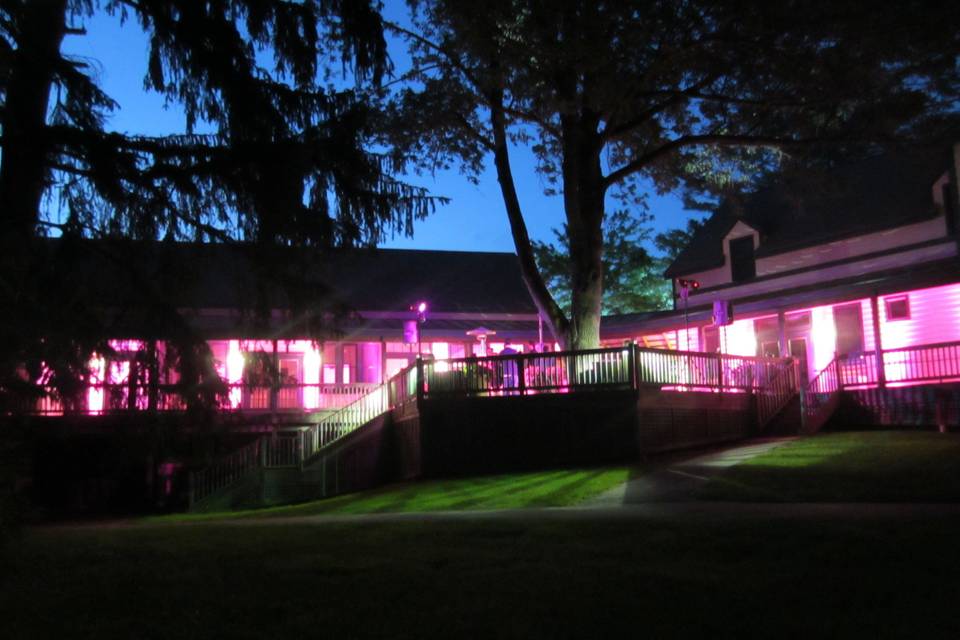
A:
[638,164]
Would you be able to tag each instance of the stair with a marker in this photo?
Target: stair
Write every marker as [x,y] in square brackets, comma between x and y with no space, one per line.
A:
[788,421]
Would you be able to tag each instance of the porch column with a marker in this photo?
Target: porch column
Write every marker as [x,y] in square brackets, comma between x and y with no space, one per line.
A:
[275,387]
[878,342]
[782,334]
[153,374]
[383,360]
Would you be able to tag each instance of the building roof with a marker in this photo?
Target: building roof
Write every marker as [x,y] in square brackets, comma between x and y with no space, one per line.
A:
[119,274]
[873,194]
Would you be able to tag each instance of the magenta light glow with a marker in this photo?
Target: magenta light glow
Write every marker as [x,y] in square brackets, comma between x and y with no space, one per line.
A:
[934,318]
[422,307]
[235,360]
[97,367]
[738,338]
[312,361]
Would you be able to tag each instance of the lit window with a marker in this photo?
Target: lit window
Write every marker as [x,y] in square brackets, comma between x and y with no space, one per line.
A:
[898,308]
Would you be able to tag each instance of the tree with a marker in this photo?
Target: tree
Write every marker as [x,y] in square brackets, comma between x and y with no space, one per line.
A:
[286,160]
[632,276]
[677,93]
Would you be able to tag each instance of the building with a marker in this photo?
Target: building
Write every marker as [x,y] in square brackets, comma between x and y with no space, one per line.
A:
[297,352]
[865,265]
[292,332]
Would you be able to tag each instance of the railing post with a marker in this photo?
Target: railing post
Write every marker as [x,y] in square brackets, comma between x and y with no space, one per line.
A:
[303,447]
[632,363]
[720,371]
[420,381]
[521,373]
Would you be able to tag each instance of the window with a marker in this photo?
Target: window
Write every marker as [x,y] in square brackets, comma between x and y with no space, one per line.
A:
[898,308]
[742,263]
[849,325]
[711,339]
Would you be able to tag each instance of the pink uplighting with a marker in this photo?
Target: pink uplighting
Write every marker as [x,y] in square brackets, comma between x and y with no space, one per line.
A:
[97,366]
[235,361]
[738,339]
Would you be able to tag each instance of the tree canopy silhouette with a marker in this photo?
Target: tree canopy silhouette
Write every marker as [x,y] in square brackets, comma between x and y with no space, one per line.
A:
[689,95]
[273,151]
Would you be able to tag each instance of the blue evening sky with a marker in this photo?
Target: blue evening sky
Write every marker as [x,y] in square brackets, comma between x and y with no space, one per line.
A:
[475,219]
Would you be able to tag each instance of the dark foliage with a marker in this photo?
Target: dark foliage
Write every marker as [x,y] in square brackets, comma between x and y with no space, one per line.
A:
[275,156]
[693,96]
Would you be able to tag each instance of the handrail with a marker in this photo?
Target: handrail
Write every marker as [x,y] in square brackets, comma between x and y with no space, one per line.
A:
[777,392]
[386,396]
[816,397]
[228,469]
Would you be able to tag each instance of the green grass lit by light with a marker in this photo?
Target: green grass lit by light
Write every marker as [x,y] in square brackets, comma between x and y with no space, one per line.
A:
[882,466]
[557,488]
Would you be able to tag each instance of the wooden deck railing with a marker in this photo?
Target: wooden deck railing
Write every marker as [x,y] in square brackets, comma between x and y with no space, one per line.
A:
[629,367]
[98,399]
[225,471]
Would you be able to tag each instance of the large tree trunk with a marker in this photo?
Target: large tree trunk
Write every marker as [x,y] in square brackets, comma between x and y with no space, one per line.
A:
[583,203]
[547,307]
[23,167]
[23,170]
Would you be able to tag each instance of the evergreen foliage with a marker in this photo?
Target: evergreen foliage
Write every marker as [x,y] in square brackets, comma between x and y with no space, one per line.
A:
[274,156]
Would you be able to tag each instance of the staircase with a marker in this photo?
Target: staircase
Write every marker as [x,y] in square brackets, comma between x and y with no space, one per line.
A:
[276,469]
[777,397]
[820,398]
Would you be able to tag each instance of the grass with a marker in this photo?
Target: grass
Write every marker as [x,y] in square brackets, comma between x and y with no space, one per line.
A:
[884,466]
[691,577]
[557,488]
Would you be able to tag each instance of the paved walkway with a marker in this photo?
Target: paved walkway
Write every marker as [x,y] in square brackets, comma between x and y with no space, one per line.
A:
[679,476]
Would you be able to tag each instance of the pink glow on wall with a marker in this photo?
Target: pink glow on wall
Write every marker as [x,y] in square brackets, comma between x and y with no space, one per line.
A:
[934,318]
[739,338]
[823,338]
[235,361]
[686,340]
[97,367]
[441,351]
[311,375]
[371,359]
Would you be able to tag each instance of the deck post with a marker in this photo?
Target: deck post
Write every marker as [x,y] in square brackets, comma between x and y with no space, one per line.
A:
[420,381]
[878,342]
[632,363]
[275,387]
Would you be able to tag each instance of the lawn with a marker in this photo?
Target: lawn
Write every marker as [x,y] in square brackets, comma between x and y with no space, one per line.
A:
[693,577]
[556,488]
[884,466]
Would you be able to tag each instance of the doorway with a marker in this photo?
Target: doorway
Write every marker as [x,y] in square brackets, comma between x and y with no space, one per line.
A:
[798,350]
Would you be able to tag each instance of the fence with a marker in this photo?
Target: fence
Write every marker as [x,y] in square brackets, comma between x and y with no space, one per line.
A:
[227,470]
[617,368]
[96,399]
[520,374]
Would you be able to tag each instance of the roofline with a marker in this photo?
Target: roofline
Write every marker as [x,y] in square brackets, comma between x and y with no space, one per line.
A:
[933,214]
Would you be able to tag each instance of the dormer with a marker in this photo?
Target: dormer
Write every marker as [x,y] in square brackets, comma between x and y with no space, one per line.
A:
[739,251]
